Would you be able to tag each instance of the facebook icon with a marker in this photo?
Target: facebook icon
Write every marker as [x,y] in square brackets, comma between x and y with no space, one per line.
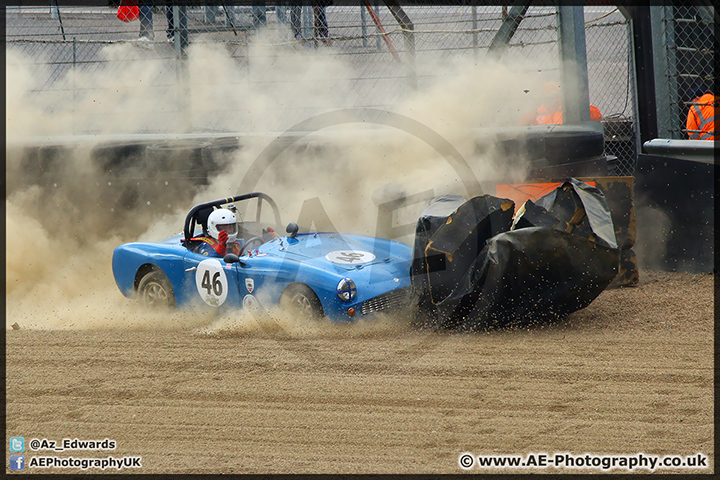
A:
[17,444]
[17,462]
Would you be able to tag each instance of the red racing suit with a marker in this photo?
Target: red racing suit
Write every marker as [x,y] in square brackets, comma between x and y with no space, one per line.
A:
[212,248]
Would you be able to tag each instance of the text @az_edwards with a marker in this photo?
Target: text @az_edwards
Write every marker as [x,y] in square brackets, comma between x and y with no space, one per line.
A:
[71,444]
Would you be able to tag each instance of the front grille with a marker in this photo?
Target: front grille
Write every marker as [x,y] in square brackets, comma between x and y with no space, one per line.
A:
[390,300]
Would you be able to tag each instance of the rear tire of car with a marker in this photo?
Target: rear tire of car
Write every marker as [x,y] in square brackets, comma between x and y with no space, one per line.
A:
[155,291]
[299,299]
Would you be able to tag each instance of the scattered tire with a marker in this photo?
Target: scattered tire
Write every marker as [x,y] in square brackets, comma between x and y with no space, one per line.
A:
[564,147]
[555,147]
[118,158]
[217,156]
[180,158]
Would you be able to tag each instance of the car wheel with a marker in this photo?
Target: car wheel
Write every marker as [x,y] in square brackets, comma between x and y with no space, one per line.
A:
[301,300]
[155,291]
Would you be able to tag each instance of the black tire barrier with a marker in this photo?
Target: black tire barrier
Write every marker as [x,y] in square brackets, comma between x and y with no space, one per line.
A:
[114,158]
[581,167]
[553,147]
[217,156]
[180,158]
[564,147]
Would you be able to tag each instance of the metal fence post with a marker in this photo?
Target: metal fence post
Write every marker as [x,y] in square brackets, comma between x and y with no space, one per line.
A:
[474,27]
[408,30]
[209,11]
[573,56]
[634,88]
[363,23]
[378,43]
[664,68]
[180,33]
[644,71]
[510,23]
[308,22]
[180,28]
[74,89]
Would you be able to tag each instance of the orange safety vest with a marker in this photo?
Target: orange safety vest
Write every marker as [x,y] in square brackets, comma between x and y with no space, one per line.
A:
[546,118]
[701,118]
[235,246]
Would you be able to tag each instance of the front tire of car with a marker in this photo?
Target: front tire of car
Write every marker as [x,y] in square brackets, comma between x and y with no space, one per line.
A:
[299,299]
[155,291]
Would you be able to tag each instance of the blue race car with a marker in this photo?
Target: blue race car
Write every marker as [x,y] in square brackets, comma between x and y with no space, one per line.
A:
[342,277]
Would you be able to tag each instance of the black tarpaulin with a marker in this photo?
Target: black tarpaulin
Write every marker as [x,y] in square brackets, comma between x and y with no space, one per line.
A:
[450,235]
[584,211]
[432,218]
[477,272]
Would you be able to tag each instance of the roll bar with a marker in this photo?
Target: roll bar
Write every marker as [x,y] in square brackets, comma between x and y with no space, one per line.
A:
[193,217]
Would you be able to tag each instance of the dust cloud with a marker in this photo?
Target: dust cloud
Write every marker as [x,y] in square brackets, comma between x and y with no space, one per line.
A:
[278,322]
[60,233]
[651,247]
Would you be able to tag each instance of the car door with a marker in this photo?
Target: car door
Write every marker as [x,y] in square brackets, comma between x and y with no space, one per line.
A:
[211,281]
[255,281]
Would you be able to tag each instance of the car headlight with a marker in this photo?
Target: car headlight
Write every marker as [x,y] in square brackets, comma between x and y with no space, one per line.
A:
[346,290]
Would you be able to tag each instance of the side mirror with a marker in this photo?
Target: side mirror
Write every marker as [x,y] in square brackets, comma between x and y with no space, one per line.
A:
[292,229]
[231,258]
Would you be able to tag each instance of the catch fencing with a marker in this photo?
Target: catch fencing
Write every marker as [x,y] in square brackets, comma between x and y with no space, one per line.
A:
[684,44]
[384,60]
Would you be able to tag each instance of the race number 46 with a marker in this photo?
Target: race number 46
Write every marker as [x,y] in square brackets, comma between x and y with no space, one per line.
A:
[211,282]
[213,286]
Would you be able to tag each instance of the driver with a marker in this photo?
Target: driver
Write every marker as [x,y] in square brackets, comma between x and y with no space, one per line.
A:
[222,227]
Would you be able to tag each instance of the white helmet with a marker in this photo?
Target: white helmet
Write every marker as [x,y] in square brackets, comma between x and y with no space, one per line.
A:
[222,220]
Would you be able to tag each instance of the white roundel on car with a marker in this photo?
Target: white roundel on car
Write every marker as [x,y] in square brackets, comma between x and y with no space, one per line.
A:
[211,282]
[250,301]
[350,257]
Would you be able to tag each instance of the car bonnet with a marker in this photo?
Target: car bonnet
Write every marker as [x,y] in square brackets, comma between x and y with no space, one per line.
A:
[343,252]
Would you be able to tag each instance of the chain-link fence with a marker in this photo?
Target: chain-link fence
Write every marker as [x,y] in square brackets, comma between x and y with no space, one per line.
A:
[362,56]
[610,78]
[684,36]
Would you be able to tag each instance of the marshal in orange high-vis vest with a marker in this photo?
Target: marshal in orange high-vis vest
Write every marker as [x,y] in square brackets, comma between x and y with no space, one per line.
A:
[546,118]
[551,111]
[701,118]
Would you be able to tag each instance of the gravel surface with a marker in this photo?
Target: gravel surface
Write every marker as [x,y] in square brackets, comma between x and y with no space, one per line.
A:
[631,373]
